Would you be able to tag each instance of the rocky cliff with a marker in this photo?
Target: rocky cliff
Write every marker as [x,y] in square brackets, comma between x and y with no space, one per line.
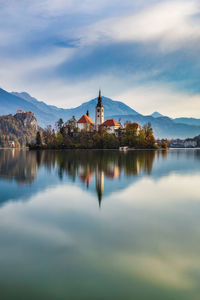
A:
[18,130]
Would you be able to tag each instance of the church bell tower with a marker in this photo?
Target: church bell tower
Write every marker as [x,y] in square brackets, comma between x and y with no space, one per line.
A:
[99,119]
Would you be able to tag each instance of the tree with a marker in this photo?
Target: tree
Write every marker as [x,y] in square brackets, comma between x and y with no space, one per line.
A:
[164,144]
[38,139]
[150,141]
[148,130]
[59,139]
[47,135]
[109,141]
[60,125]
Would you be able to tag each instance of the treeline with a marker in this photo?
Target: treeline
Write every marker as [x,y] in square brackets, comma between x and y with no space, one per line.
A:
[67,137]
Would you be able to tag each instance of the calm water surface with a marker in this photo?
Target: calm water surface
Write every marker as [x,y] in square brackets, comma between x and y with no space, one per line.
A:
[99,225]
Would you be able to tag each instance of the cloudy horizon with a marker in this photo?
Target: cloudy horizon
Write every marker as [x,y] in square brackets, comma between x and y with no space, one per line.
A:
[144,53]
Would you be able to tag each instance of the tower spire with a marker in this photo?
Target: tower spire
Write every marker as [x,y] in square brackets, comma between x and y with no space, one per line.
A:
[99,119]
[99,104]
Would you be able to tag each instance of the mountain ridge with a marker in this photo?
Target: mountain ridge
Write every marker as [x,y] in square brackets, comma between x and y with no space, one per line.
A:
[164,127]
[52,113]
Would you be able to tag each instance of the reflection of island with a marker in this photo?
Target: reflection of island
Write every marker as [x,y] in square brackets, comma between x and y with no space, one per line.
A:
[100,171]
[103,166]
[23,166]
[18,165]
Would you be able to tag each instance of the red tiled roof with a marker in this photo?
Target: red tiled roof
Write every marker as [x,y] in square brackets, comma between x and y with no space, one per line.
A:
[85,119]
[110,123]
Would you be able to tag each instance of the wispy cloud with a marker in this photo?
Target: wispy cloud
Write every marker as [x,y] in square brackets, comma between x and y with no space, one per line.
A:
[171,25]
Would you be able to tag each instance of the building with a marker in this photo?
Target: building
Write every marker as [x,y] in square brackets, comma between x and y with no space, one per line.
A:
[19,111]
[11,144]
[177,143]
[190,143]
[111,126]
[85,123]
[99,116]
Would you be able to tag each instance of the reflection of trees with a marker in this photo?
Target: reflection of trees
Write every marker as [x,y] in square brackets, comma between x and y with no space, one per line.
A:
[82,164]
[109,164]
[19,165]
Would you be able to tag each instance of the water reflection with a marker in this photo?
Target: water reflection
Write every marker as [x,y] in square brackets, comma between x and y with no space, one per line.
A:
[142,244]
[18,165]
[94,169]
[86,166]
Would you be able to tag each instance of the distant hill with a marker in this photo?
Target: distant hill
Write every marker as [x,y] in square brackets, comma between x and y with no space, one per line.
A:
[164,127]
[188,121]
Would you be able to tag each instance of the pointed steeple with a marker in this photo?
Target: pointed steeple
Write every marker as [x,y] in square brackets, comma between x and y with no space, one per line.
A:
[99,104]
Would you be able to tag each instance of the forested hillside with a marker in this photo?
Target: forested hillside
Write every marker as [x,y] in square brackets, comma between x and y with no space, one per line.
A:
[17,130]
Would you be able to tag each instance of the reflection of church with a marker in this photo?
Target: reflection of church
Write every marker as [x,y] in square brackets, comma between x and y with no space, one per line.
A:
[111,171]
[99,176]
[96,169]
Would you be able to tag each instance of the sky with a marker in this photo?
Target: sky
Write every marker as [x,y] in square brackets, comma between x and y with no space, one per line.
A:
[142,52]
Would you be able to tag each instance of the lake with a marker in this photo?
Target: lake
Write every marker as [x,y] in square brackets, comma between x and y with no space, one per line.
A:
[99,225]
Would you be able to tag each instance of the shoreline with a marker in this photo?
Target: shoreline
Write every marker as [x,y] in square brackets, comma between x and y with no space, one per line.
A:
[89,149]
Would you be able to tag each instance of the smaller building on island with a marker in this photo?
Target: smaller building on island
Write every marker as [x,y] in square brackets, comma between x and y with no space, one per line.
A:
[111,126]
[85,123]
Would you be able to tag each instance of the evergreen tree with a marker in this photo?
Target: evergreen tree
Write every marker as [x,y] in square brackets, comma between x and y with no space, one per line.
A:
[60,125]
[38,139]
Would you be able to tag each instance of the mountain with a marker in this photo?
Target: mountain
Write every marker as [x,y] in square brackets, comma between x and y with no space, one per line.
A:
[9,104]
[156,115]
[188,121]
[164,127]
[49,114]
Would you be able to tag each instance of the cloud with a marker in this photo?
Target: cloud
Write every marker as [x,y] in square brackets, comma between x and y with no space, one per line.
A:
[162,97]
[178,193]
[169,269]
[54,8]
[24,69]
[171,24]
[135,51]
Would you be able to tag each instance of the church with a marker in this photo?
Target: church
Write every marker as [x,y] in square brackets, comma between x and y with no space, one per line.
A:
[86,123]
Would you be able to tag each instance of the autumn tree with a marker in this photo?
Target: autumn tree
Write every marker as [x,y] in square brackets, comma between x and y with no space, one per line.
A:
[164,144]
